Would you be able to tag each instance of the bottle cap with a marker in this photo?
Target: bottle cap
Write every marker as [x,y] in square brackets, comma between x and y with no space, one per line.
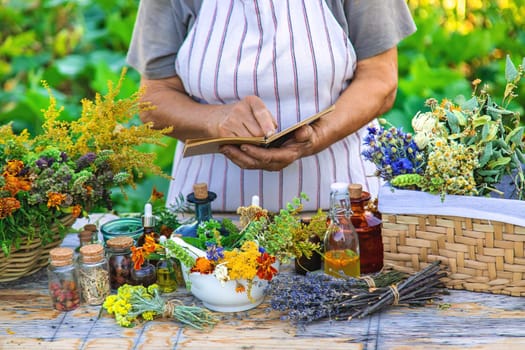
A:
[90,227]
[200,190]
[120,242]
[92,252]
[85,236]
[148,219]
[355,191]
[61,256]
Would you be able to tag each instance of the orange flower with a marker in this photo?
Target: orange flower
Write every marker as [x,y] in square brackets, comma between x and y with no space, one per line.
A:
[156,195]
[239,287]
[77,211]
[149,245]
[202,265]
[265,270]
[137,256]
[7,206]
[54,199]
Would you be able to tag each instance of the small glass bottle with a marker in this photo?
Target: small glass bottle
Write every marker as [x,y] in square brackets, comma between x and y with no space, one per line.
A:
[368,228]
[341,243]
[118,251]
[202,199]
[63,280]
[93,274]
[303,264]
[145,276]
[167,278]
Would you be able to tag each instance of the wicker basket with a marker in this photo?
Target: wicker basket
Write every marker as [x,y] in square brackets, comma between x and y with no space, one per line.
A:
[30,257]
[482,254]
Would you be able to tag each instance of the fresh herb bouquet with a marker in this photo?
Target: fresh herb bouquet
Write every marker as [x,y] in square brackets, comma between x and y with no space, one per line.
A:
[464,148]
[70,167]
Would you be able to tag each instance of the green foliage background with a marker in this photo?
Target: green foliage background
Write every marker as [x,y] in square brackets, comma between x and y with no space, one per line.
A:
[77,46]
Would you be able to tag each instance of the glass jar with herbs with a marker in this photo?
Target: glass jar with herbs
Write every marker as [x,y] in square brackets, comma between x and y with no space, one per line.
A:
[118,252]
[93,274]
[63,279]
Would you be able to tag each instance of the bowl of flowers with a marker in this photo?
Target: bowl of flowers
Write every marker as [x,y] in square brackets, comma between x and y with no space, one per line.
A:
[228,267]
[49,180]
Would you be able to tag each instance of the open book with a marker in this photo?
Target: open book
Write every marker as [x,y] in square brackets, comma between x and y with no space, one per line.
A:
[194,147]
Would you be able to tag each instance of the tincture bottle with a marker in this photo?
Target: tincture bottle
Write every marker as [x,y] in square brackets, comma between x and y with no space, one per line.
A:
[93,274]
[341,243]
[304,264]
[148,223]
[118,251]
[368,228]
[63,279]
[202,199]
[167,275]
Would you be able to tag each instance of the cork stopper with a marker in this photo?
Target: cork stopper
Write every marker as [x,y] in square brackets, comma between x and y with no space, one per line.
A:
[355,191]
[120,242]
[92,253]
[90,227]
[61,256]
[200,190]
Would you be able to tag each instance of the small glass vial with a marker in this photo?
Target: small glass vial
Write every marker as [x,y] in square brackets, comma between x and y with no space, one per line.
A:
[145,276]
[93,274]
[63,280]
[118,252]
[368,228]
[341,243]
[167,276]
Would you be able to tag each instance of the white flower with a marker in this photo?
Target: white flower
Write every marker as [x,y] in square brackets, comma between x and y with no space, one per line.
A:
[421,139]
[162,239]
[221,273]
[424,122]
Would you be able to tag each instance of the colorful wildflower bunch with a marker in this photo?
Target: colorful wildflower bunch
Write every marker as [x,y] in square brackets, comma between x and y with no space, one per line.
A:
[134,304]
[71,167]
[465,148]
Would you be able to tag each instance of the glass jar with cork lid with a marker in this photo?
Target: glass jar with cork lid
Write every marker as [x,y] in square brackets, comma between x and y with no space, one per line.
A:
[63,279]
[118,252]
[93,274]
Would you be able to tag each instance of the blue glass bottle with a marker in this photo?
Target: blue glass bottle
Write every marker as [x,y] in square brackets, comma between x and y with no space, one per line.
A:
[202,199]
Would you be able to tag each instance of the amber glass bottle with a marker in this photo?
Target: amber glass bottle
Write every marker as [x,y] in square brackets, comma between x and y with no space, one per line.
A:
[368,228]
[341,244]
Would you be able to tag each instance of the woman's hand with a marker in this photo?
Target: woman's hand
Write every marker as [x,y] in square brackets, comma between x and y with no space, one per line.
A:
[273,159]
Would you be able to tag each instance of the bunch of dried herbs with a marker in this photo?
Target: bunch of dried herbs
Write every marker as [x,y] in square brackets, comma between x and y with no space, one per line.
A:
[318,296]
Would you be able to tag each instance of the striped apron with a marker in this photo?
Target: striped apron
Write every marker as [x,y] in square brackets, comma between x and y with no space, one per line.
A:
[295,56]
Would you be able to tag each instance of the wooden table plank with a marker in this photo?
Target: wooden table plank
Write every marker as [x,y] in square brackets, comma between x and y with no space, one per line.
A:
[469,321]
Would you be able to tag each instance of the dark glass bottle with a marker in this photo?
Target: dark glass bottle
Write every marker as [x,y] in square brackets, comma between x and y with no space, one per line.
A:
[202,199]
[368,229]
[341,243]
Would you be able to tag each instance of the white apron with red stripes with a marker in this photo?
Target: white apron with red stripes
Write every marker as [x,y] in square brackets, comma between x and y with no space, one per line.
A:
[295,56]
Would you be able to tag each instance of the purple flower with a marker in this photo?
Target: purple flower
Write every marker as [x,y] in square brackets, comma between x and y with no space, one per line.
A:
[86,160]
[213,252]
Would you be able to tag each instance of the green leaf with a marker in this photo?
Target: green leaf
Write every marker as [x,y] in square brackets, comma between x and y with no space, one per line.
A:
[499,162]
[487,154]
[453,122]
[515,136]
[511,73]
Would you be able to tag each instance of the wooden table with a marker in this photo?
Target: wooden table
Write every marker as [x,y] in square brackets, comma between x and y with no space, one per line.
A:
[468,321]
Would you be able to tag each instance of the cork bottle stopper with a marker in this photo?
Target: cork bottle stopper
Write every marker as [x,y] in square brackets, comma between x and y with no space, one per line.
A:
[92,253]
[120,242]
[355,191]
[200,190]
[90,227]
[61,256]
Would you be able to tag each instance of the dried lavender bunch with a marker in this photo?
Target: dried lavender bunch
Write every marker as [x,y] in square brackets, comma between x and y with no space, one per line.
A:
[317,296]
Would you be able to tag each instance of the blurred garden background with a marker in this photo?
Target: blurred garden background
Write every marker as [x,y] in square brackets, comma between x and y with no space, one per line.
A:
[78,45]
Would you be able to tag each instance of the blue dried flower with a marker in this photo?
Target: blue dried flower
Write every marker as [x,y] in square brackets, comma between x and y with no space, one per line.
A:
[213,252]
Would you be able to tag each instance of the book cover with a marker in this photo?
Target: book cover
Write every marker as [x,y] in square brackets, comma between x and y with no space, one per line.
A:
[194,147]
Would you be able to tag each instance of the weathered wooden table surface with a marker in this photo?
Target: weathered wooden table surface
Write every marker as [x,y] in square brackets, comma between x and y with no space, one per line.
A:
[469,321]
